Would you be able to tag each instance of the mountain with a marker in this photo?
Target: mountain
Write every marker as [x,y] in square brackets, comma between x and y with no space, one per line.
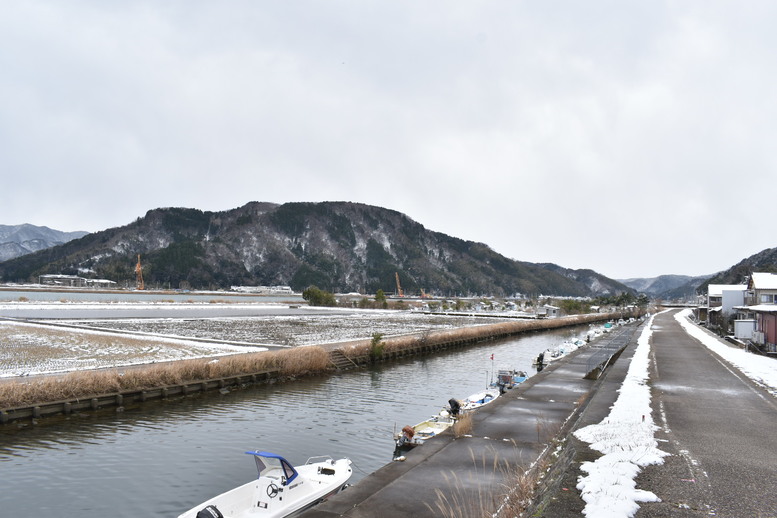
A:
[595,282]
[763,261]
[337,246]
[19,240]
[668,287]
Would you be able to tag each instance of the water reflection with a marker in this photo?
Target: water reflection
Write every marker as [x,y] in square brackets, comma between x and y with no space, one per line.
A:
[161,458]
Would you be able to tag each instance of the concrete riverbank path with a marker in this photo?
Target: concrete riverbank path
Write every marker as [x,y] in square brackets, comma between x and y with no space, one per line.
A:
[462,476]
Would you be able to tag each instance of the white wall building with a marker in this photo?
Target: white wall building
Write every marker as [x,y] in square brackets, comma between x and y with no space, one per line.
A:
[726,296]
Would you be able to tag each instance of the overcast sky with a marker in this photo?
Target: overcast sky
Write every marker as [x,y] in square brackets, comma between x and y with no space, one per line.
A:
[633,138]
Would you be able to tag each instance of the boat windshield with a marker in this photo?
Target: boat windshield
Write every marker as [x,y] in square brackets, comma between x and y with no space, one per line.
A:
[273,466]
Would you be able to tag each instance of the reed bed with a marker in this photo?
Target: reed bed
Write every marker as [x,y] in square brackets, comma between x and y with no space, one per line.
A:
[84,384]
[468,334]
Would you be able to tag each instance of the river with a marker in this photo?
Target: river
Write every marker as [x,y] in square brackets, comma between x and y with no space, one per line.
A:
[161,458]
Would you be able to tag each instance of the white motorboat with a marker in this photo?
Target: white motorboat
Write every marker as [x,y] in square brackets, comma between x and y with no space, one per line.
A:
[479,399]
[280,490]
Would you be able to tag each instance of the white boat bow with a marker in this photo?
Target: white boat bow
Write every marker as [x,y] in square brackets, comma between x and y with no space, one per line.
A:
[280,490]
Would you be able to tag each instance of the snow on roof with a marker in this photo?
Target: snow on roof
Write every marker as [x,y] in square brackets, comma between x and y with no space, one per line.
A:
[764,281]
[764,308]
[716,290]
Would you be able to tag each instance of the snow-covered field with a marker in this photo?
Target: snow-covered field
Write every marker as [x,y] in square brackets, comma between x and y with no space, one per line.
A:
[295,330]
[28,349]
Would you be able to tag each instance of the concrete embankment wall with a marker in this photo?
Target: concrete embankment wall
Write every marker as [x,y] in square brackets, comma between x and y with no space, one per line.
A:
[342,356]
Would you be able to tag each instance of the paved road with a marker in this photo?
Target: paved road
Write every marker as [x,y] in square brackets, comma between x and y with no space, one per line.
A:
[720,427]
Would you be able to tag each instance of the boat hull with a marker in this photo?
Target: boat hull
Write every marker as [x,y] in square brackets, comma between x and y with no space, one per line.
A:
[479,399]
[270,497]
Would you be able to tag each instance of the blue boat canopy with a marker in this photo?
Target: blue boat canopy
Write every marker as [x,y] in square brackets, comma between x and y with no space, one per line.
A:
[274,466]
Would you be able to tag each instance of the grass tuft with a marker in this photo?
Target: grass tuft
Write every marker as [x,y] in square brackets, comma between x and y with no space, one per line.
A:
[463,425]
[508,498]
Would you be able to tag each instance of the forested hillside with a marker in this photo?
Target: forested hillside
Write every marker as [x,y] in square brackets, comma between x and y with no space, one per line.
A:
[337,246]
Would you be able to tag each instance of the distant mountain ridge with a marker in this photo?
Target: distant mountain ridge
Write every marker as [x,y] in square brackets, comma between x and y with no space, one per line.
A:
[667,287]
[680,286]
[595,282]
[19,240]
[764,261]
[337,246]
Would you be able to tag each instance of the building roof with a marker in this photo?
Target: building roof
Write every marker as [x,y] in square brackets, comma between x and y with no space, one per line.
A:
[763,281]
[716,290]
[763,308]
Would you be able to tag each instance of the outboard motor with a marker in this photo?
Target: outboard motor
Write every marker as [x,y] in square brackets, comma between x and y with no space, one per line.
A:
[455,406]
[210,511]
[404,442]
[406,436]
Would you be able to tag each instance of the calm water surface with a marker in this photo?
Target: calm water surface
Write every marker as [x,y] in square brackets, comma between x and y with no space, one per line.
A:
[162,458]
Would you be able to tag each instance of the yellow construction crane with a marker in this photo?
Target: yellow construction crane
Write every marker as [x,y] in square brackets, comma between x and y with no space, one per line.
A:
[139,275]
[400,293]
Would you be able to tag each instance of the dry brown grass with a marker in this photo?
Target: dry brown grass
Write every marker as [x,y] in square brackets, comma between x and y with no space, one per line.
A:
[508,499]
[302,360]
[457,504]
[83,384]
[521,486]
[463,425]
[402,343]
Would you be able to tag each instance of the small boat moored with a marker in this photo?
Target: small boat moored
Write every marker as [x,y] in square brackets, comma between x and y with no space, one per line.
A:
[479,399]
[412,436]
[507,379]
[280,489]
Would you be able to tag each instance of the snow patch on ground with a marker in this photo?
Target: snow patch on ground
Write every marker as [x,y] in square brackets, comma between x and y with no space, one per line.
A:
[759,369]
[626,439]
[31,349]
